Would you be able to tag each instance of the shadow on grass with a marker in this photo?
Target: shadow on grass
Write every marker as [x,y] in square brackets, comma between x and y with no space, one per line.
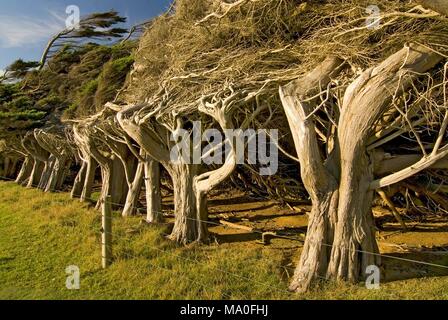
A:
[236,237]
[412,265]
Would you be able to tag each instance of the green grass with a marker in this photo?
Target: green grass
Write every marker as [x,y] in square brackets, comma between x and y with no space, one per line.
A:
[42,234]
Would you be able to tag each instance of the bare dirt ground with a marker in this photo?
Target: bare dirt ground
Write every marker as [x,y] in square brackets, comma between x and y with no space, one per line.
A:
[238,219]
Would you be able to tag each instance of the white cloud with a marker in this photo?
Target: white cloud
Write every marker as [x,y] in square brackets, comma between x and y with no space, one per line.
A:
[18,31]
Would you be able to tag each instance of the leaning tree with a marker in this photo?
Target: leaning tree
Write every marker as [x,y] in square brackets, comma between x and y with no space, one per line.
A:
[11,154]
[383,103]
[90,139]
[96,26]
[53,140]
[85,178]
[157,125]
[366,110]
[139,168]
[42,163]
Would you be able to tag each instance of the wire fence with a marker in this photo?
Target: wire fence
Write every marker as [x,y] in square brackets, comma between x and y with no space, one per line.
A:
[235,275]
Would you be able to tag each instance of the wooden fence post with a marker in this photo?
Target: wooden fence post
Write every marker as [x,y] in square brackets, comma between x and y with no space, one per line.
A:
[106,230]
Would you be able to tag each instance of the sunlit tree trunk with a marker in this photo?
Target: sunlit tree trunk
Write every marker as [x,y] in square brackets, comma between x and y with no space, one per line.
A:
[340,241]
[25,172]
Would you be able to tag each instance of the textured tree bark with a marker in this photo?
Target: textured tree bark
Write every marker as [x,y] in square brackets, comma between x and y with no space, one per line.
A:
[54,142]
[63,175]
[86,193]
[340,188]
[35,174]
[365,101]
[25,172]
[48,169]
[152,191]
[190,187]
[184,230]
[135,188]
[400,162]
[106,186]
[119,188]
[316,176]
[41,160]
[186,206]
[133,184]
[113,183]
[56,176]
[78,184]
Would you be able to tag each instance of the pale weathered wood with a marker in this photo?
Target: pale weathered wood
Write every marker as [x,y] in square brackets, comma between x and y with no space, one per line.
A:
[190,187]
[317,179]
[340,241]
[152,190]
[235,225]
[25,171]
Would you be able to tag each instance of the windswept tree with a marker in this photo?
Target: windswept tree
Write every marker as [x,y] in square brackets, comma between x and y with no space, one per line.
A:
[85,178]
[54,141]
[156,128]
[341,237]
[18,69]
[124,167]
[134,162]
[90,138]
[96,27]
[50,155]
[11,154]
[354,136]
[365,100]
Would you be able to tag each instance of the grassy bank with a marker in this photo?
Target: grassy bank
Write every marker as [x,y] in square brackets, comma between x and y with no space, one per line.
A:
[42,234]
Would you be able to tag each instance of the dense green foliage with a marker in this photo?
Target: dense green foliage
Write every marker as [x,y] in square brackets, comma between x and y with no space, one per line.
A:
[76,83]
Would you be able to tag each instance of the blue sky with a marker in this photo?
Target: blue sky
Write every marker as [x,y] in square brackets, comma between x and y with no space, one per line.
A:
[27,25]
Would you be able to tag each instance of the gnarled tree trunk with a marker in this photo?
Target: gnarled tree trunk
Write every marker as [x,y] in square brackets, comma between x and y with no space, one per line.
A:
[41,160]
[186,207]
[133,175]
[35,174]
[190,187]
[152,191]
[341,240]
[46,174]
[25,172]
[54,142]
[113,183]
[57,174]
[78,184]
[320,179]
[91,165]
[135,188]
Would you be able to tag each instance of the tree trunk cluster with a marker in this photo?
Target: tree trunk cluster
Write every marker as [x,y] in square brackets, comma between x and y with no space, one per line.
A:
[341,143]
[340,241]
